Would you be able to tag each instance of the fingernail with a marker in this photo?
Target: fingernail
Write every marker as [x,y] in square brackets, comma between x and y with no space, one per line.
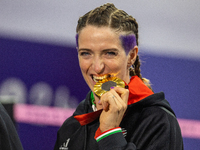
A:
[112,87]
[99,101]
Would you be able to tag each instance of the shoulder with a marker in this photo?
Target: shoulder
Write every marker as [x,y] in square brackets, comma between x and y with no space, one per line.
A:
[160,119]
[84,106]
[158,113]
[162,123]
[153,110]
[69,124]
[153,120]
[67,129]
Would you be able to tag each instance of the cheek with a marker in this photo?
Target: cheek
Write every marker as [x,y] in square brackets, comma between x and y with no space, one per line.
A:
[84,65]
[122,67]
[81,64]
[118,66]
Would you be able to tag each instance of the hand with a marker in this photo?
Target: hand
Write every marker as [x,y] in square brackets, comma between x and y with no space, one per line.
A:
[114,104]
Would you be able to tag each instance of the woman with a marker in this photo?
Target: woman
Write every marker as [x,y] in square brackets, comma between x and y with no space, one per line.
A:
[122,118]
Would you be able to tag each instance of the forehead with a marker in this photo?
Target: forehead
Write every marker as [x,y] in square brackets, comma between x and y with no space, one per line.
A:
[97,35]
[94,31]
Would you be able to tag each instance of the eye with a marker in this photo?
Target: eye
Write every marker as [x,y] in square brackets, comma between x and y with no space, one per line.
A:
[111,53]
[84,53]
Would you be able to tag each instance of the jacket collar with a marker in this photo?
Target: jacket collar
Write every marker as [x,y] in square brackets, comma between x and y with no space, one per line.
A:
[137,91]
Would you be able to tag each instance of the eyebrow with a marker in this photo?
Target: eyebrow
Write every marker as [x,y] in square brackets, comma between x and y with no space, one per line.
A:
[104,50]
[84,49]
[110,49]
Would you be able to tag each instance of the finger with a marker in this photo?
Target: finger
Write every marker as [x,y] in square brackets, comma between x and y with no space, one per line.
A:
[121,98]
[108,100]
[121,104]
[116,92]
[118,106]
[118,100]
[124,93]
[113,102]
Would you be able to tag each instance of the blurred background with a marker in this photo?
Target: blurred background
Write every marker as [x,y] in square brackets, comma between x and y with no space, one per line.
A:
[40,80]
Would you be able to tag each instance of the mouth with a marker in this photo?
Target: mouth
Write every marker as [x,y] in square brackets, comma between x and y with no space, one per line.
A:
[100,78]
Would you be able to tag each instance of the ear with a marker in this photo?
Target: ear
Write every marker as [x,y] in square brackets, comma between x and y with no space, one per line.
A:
[132,56]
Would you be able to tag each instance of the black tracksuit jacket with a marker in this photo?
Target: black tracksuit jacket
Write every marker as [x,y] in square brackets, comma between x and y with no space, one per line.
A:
[149,124]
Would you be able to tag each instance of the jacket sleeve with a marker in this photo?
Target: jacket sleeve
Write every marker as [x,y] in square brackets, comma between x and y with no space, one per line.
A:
[112,140]
[155,129]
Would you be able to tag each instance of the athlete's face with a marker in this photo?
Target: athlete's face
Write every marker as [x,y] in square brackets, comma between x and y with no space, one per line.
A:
[100,53]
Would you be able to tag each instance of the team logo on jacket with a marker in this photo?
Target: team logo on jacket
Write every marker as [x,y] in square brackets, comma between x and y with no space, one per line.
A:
[64,145]
[124,131]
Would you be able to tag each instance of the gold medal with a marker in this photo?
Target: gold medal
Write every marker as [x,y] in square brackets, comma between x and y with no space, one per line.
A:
[104,85]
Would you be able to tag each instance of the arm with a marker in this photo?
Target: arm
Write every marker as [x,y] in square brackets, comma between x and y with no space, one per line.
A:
[162,132]
[154,129]
[113,139]
[114,105]
[109,134]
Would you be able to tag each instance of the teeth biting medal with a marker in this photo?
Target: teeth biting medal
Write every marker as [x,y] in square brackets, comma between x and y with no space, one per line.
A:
[104,85]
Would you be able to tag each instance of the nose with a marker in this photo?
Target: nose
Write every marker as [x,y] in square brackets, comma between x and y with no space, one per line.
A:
[98,65]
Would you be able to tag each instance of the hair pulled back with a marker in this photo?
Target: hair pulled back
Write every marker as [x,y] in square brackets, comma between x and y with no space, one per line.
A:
[108,15]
